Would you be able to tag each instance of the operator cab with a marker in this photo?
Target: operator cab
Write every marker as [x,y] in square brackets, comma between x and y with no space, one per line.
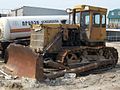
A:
[91,21]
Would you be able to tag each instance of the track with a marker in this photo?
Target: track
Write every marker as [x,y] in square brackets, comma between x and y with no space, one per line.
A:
[87,55]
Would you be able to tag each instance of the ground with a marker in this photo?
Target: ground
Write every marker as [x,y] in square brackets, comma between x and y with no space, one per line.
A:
[100,80]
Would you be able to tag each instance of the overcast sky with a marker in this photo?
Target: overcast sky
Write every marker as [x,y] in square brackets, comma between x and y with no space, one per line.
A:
[58,4]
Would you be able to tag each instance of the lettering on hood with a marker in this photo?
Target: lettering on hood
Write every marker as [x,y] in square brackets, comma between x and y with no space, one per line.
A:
[25,23]
[50,21]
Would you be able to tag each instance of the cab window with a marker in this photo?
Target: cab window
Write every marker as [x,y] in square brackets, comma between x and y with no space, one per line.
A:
[77,18]
[96,19]
[85,19]
[103,20]
[70,18]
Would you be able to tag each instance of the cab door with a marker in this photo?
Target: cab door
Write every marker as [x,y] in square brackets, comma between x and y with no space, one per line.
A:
[98,28]
[84,25]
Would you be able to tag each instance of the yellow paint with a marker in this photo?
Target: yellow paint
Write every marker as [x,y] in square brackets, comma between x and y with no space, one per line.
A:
[50,31]
[87,7]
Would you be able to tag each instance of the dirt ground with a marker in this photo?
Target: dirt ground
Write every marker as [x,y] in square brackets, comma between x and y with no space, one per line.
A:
[100,80]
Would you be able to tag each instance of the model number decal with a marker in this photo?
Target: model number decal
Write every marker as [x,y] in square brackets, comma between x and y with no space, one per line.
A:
[50,21]
[26,23]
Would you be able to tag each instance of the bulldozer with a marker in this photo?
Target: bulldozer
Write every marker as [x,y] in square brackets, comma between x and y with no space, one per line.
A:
[77,46]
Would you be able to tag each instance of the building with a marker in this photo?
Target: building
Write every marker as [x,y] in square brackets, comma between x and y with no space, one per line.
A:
[114,19]
[5,12]
[36,11]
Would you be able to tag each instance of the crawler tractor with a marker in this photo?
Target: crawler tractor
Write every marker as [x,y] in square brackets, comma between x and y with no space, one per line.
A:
[75,47]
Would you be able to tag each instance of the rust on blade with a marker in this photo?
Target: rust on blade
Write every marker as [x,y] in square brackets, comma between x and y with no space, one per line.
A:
[22,61]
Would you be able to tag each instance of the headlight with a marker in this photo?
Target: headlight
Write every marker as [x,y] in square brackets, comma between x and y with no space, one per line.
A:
[68,10]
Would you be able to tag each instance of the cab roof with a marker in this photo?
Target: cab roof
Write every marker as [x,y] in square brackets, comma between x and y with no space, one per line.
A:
[88,7]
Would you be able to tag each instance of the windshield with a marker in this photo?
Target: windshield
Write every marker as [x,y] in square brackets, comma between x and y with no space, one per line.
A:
[75,19]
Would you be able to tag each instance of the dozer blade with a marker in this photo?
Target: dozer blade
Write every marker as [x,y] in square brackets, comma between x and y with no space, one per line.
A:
[23,62]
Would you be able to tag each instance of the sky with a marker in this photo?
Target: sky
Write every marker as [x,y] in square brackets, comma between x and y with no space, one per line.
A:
[58,4]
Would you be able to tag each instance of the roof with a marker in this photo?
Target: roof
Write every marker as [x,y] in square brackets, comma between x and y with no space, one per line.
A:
[88,7]
[35,7]
[36,11]
[114,14]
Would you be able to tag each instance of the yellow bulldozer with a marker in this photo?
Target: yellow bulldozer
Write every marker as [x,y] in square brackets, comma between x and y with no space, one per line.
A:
[77,46]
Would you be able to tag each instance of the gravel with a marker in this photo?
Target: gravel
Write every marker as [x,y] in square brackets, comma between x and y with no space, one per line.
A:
[107,80]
